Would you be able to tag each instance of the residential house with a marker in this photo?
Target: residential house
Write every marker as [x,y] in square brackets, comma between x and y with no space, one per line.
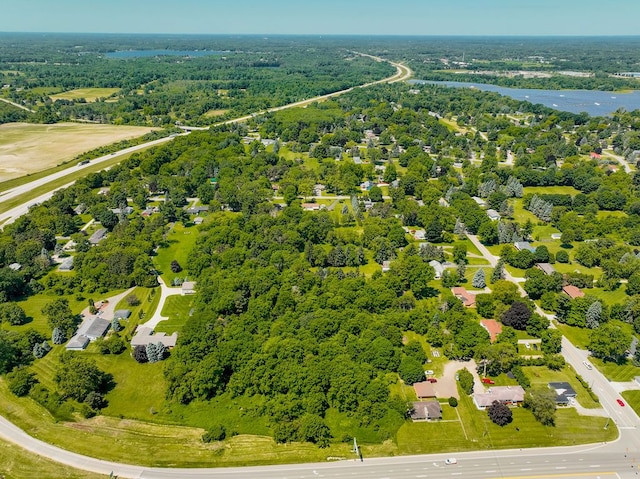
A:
[572,291]
[311,206]
[438,268]
[122,314]
[77,343]
[93,328]
[198,220]
[196,210]
[463,295]
[145,335]
[188,287]
[482,203]
[493,327]
[524,245]
[67,264]
[424,390]
[127,210]
[546,268]
[426,411]
[556,236]
[98,236]
[493,215]
[386,266]
[509,395]
[81,208]
[564,392]
[15,266]
[444,203]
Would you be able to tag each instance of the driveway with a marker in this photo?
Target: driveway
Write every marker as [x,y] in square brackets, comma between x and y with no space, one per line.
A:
[447,384]
[165,292]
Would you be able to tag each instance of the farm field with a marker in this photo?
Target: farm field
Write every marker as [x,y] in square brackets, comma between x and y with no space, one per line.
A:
[89,94]
[27,148]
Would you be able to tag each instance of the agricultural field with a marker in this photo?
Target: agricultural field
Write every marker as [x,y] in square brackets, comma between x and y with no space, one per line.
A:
[89,94]
[27,148]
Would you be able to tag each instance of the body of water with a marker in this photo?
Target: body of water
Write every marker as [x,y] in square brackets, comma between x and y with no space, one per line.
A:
[157,53]
[595,103]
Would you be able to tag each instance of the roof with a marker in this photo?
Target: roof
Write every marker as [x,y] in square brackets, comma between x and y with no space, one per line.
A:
[563,388]
[15,266]
[522,245]
[493,327]
[424,389]
[146,335]
[93,328]
[426,410]
[504,394]
[479,200]
[386,265]
[78,342]
[67,264]
[437,266]
[98,236]
[547,268]
[122,314]
[310,206]
[573,291]
[188,286]
[493,214]
[463,295]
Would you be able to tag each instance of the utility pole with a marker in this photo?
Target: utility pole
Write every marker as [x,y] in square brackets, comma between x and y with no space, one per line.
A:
[356,449]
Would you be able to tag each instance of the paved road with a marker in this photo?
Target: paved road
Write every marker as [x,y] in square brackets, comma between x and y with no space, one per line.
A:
[17,105]
[165,292]
[620,159]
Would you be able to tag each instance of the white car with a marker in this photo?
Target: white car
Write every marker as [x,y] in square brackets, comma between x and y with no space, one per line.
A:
[451,460]
[587,364]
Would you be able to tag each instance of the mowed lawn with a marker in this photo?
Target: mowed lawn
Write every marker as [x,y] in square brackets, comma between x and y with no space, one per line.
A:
[177,309]
[89,94]
[179,243]
[29,148]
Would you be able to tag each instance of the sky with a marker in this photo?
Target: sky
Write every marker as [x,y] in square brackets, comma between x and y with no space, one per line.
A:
[361,17]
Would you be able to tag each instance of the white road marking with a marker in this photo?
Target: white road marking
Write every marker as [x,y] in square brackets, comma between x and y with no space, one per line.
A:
[527,469]
[561,467]
[595,465]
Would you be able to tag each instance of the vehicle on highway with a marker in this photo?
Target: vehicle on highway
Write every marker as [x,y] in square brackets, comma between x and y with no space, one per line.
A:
[451,460]
[83,162]
[587,365]
[620,401]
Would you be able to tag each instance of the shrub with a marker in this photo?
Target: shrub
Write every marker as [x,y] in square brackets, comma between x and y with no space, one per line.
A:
[215,433]
[466,381]
[453,402]
[140,354]
[500,413]
[132,300]
[21,381]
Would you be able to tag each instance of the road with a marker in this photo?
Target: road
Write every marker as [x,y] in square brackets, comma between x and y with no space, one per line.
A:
[165,292]
[620,159]
[17,105]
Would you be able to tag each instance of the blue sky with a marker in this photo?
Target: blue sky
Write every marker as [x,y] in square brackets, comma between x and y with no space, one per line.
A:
[389,17]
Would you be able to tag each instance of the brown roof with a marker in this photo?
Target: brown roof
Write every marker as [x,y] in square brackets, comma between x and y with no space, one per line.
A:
[503,394]
[424,390]
[493,327]
[573,291]
[426,410]
[463,295]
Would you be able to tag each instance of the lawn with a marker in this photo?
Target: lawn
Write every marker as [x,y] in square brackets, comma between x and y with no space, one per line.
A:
[616,372]
[632,399]
[180,241]
[29,148]
[541,376]
[177,309]
[89,94]
[580,337]
[551,190]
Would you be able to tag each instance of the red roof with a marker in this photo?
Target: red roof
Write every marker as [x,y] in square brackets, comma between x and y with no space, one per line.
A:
[573,291]
[463,295]
[493,327]
[424,390]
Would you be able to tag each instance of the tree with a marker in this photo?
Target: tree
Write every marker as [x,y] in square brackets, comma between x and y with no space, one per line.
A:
[115,325]
[488,233]
[12,314]
[77,376]
[313,429]
[175,266]
[433,232]
[498,272]
[217,432]
[500,413]
[140,354]
[536,325]
[551,341]
[410,370]
[453,402]
[594,315]
[57,336]
[59,315]
[466,381]
[479,279]
[609,342]
[542,403]
[375,194]
[459,253]
[633,284]
[517,316]
[20,381]
[562,256]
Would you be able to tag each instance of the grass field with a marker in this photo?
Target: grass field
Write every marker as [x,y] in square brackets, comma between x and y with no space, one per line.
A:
[616,372]
[633,400]
[176,308]
[29,148]
[214,113]
[89,94]
[180,241]
[541,375]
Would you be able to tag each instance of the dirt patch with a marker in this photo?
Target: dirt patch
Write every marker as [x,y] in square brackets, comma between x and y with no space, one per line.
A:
[27,148]
[447,384]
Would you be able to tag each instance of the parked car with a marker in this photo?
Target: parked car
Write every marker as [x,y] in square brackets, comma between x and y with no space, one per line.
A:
[451,460]
[620,401]
[488,381]
[587,365]
[432,380]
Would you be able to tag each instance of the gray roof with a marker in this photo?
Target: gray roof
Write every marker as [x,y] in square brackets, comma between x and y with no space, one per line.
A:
[122,314]
[93,328]
[67,264]
[78,342]
[522,245]
[493,214]
[504,394]
[145,335]
[98,236]
[547,268]
[426,410]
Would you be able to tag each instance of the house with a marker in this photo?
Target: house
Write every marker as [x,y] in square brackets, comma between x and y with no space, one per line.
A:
[482,203]
[546,268]
[493,327]
[437,267]
[196,210]
[564,392]
[444,203]
[127,210]
[93,328]
[122,314]
[15,266]
[77,343]
[572,291]
[556,236]
[81,208]
[311,206]
[419,235]
[595,156]
[104,190]
[524,245]
[188,287]
[509,395]
[463,295]
[386,266]
[366,186]
[424,390]
[66,265]
[426,411]
[98,236]
[493,215]
[144,336]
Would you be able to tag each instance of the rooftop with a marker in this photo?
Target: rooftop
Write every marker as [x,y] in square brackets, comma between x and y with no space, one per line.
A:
[493,328]
[146,335]
[573,291]
[547,268]
[424,389]
[504,394]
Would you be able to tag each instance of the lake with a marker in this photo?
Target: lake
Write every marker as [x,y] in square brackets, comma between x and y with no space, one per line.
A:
[595,103]
[156,53]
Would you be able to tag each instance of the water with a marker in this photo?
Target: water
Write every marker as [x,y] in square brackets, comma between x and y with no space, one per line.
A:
[595,103]
[123,54]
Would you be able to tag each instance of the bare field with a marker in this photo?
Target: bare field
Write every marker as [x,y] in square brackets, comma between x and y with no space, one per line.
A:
[26,148]
[89,94]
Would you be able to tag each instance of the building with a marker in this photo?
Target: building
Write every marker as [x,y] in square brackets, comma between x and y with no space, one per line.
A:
[524,245]
[310,206]
[15,266]
[146,335]
[93,328]
[424,390]
[546,268]
[482,203]
[198,220]
[426,411]
[463,295]
[77,343]
[196,210]
[509,395]
[437,267]
[66,265]
[188,287]
[98,236]
[564,392]
[127,210]
[493,327]
[493,215]
[386,266]
[122,314]
[572,291]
